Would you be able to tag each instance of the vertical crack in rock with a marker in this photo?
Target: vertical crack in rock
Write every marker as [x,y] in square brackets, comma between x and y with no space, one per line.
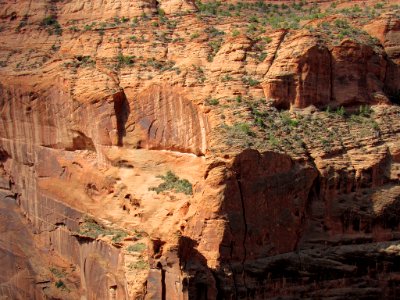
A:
[231,268]
[330,77]
[163,285]
[277,49]
[122,111]
[238,179]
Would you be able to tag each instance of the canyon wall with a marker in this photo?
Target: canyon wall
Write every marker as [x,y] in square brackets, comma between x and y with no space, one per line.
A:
[287,136]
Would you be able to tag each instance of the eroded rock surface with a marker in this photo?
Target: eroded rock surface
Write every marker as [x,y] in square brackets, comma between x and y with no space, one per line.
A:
[181,150]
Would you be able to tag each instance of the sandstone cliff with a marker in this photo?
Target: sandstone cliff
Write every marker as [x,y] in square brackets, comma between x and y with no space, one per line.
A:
[186,150]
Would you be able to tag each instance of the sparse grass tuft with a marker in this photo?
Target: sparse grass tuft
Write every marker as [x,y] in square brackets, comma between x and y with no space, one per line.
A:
[139,247]
[138,265]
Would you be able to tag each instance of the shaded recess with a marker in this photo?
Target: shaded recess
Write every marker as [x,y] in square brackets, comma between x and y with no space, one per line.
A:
[122,111]
[81,142]
[166,119]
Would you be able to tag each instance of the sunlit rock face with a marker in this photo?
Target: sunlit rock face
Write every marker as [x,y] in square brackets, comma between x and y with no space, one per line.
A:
[184,150]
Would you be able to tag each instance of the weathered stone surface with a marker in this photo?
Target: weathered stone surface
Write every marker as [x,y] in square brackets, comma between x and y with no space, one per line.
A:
[308,73]
[166,119]
[294,204]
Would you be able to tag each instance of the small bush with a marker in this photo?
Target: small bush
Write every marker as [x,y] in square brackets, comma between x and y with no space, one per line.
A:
[173,183]
[140,247]
[235,32]
[226,78]
[118,236]
[341,111]
[208,8]
[139,265]
[49,21]
[90,228]
[212,101]
[81,61]
[262,56]
[244,128]
[365,110]
[215,46]
[60,284]
[289,121]
[74,29]
[57,273]
[23,23]
[52,25]
[125,60]
[250,81]
[194,36]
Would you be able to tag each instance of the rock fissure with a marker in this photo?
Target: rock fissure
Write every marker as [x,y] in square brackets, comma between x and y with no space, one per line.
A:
[244,241]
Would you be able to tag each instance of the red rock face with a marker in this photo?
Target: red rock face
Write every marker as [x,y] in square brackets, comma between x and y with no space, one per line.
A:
[167,120]
[357,75]
[348,74]
[299,78]
[387,30]
[141,158]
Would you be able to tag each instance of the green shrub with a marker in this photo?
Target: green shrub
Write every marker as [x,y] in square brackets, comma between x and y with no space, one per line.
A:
[139,247]
[208,8]
[200,74]
[74,29]
[138,265]
[212,101]
[194,36]
[23,23]
[226,78]
[267,39]
[215,46]
[365,110]
[91,228]
[52,25]
[244,128]
[341,111]
[49,21]
[125,60]
[118,235]
[289,121]
[173,183]
[57,273]
[60,284]
[55,48]
[213,32]
[250,81]
[262,56]
[235,32]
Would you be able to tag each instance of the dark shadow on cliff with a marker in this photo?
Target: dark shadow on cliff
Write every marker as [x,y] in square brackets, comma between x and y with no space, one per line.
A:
[195,264]
[392,87]
[336,246]
[122,111]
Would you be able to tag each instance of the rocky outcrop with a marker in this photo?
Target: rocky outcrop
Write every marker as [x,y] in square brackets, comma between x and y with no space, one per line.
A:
[387,30]
[321,233]
[307,72]
[147,150]
[165,119]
